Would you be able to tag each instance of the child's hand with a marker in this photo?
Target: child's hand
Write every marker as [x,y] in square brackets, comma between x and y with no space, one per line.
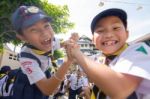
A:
[72,48]
[75,37]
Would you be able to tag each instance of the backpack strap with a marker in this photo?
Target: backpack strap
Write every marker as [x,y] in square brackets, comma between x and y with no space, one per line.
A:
[31,56]
[2,88]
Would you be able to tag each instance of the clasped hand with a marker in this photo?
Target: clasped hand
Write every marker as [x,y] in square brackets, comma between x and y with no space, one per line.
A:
[72,48]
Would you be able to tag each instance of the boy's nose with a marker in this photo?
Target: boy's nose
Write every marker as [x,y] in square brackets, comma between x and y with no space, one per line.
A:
[108,34]
[46,33]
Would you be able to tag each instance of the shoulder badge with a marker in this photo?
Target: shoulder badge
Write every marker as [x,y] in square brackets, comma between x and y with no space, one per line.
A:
[142,49]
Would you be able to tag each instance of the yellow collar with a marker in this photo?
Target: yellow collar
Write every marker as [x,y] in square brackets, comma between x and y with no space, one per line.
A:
[39,52]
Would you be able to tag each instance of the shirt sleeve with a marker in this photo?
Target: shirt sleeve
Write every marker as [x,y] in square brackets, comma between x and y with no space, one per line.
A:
[135,61]
[32,69]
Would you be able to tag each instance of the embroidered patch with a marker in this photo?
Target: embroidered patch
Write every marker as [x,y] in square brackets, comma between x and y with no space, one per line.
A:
[28,70]
[142,49]
[33,9]
[27,66]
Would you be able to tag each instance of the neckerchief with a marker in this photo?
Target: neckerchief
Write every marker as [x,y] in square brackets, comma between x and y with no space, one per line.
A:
[39,52]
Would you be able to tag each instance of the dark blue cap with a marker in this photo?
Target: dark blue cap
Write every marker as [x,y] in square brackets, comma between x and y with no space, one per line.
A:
[109,12]
[5,69]
[25,16]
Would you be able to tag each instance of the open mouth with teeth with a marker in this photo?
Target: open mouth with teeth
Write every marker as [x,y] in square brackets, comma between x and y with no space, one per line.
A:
[109,43]
[47,42]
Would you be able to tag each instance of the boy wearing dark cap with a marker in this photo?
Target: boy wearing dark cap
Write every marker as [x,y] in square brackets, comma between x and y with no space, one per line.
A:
[5,69]
[34,28]
[123,72]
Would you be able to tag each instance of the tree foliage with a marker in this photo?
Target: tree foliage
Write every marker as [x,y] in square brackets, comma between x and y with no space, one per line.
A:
[58,54]
[59,14]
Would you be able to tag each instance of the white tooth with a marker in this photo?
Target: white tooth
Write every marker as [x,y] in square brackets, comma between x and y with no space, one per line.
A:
[46,40]
[108,43]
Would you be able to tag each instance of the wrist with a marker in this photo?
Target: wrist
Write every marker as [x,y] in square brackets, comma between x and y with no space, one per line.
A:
[77,54]
[57,78]
[67,61]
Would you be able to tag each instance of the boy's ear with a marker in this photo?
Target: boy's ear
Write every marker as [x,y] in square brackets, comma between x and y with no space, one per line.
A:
[20,37]
[127,33]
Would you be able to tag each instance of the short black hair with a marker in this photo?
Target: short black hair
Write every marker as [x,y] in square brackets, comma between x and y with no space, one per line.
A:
[109,12]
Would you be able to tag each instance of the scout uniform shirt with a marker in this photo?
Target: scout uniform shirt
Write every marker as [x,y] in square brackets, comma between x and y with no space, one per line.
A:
[134,60]
[31,68]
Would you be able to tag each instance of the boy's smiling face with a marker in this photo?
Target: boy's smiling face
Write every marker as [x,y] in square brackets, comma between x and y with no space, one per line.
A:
[110,34]
[40,35]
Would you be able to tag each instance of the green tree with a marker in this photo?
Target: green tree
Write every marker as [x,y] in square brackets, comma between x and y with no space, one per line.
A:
[58,54]
[59,14]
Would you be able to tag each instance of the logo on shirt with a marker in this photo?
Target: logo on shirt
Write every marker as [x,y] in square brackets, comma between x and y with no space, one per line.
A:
[142,49]
[27,66]
[28,70]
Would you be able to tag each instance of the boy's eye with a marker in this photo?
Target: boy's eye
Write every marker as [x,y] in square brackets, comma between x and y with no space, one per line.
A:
[116,28]
[99,31]
[34,31]
[47,26]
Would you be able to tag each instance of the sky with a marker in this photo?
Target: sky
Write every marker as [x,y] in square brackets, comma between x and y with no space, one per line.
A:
[83,11]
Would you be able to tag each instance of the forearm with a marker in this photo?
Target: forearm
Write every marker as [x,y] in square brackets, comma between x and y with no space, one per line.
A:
[48,86]
[104,77]
[114,84]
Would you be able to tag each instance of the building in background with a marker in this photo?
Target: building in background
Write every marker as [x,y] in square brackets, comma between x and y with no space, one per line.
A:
[86,46]
[8,57]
